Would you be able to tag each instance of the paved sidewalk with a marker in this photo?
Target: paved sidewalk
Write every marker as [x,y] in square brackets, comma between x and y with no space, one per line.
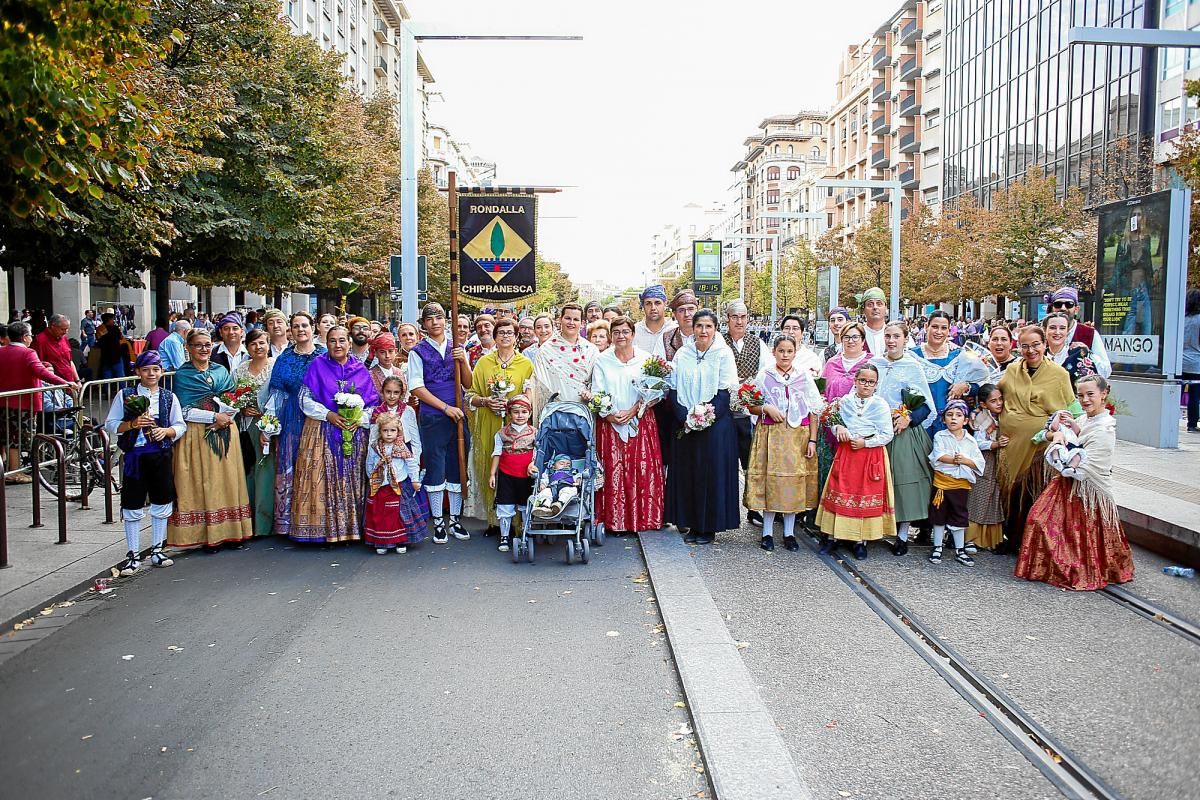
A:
[42,570]
[1158,492]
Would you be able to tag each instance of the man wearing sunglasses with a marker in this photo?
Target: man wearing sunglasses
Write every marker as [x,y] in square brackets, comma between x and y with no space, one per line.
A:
[1066,300]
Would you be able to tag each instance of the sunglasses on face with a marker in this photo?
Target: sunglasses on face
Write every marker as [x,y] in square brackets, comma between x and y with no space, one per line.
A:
[1062,304]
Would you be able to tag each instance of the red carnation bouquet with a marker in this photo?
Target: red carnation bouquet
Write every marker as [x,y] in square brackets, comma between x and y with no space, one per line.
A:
[244,395]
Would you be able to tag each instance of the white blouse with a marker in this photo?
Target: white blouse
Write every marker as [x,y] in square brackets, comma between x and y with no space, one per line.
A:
[946,443]
[868,419]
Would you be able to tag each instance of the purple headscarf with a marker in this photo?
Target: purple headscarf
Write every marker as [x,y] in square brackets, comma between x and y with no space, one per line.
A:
[148,358]
[1065,293]
[839,310]
[326,377]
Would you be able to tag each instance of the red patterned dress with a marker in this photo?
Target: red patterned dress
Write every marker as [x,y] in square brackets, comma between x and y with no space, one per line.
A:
[634,485]
[1073,537]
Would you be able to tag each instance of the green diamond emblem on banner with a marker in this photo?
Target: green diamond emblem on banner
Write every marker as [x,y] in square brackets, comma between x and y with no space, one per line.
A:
[497,248]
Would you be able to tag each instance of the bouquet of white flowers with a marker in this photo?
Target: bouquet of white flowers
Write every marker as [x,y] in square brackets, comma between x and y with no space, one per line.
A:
[601,404]
[349,406]
[269,425]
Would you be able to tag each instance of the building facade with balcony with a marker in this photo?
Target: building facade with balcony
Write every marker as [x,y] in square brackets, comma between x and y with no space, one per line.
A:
[671,245]
[885,122]
[786,149]
[446,153]
[1017,96]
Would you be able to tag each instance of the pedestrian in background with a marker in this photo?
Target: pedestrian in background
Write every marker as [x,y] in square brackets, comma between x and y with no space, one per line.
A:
[20,368]
[1191,357]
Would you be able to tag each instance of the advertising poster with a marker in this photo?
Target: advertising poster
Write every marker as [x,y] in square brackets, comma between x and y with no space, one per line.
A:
[498,239]
[821,330]
[1131,281]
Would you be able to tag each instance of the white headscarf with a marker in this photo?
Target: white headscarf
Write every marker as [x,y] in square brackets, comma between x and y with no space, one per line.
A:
[906,372]
[697,377]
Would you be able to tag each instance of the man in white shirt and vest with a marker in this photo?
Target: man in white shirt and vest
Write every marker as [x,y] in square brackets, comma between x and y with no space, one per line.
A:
[648,334]
[750,356]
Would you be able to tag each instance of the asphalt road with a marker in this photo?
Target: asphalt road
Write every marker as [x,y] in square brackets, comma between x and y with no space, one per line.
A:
[449,672]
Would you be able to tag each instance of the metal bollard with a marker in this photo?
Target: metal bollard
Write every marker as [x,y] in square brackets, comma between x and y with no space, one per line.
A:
[3,518]
[107,462]
[84,489]
[60,455]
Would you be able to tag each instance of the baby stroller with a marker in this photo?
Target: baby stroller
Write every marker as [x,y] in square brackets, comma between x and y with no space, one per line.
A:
[564,429]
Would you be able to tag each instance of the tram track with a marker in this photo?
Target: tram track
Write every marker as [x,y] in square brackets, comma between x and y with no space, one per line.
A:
[1073,778]
[1148,609]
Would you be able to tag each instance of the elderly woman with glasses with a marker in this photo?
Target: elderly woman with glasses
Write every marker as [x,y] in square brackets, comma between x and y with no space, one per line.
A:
[488,413]
[1033,388]
[212,506]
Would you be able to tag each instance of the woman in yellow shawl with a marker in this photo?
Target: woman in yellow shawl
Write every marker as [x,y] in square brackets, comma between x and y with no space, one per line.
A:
[1034,387]
[502,364]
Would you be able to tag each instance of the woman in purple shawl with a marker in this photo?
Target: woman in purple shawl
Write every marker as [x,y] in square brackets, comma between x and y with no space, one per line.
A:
[328,500]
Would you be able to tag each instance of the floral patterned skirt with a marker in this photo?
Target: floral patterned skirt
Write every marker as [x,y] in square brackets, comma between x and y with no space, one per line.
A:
[1066,545]
[857,504]
[327,504]
[634,487]
[781,477]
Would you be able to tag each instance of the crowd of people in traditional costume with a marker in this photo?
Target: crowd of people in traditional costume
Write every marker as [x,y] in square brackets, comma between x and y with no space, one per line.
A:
[350,431]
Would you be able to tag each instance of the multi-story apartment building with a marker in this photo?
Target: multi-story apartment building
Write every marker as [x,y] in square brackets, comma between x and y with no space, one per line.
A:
[786,148]
[877,124]
[1017,95]
[445,153]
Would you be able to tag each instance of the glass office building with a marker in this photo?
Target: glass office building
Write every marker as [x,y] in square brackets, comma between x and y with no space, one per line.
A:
[1016,95]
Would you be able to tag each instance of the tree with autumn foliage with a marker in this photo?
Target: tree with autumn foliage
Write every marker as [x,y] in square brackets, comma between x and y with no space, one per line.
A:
[1186,162]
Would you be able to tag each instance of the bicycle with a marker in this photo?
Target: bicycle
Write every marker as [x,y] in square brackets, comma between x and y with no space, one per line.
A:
[68,425]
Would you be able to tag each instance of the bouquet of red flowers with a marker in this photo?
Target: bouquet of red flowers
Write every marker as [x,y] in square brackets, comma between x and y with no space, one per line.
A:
[243,396]
[749,395]
[656,367]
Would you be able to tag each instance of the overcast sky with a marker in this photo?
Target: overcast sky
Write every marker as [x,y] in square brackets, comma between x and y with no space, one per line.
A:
[647,113]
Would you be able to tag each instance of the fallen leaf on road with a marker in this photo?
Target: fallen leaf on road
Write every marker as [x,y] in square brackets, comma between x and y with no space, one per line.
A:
[127,658]
[643,578]
[116,573]
[45,612]
[742,645]
[174,648]
[680,704]
[65,604]
[613,633]
[85,738]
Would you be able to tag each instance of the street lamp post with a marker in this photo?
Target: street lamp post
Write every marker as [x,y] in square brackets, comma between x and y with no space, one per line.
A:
[778,254]
[409,138]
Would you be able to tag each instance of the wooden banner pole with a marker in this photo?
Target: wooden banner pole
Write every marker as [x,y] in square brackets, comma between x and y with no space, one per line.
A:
[453,324]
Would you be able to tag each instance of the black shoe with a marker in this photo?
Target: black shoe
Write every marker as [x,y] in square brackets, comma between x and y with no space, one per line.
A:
[491,530]
[690,538]
[211,550]
[827,545]
[1004,548]
[705,538]
[900,548]
[790,543]
[767,543]
[754,518]
[860,551]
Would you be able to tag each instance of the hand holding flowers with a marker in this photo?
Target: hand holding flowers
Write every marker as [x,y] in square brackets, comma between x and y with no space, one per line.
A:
[350,408]
[699,417]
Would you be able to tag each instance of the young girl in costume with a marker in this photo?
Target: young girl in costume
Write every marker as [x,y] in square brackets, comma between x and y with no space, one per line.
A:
[145,437]
[393,399]
[984,509]
[782,476]
[512,466]
[1073,537]
[857,504]
[397,512]
[957,463]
